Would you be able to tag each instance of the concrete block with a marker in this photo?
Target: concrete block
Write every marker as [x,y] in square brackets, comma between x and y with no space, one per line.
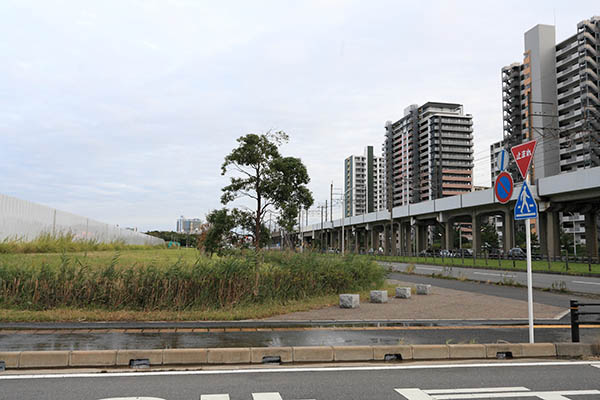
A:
[378,296]
[403,292]
[234,355]
[423,289]
[352,353]
[538,350]
[185,356]
[349,301]
[466,351]
[10,358]
[430,352]
[577,349]
[39,359]
[154,356]
[379,352]
[492,350]
[257,354]
[93,358]
[313,354]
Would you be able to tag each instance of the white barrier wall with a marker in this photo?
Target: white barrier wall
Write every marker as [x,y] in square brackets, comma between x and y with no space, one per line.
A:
[21,219]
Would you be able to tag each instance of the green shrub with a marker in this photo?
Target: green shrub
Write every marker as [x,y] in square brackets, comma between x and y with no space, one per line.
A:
[215,282]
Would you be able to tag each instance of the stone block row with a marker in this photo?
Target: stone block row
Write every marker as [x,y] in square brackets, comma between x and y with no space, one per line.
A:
[257,355]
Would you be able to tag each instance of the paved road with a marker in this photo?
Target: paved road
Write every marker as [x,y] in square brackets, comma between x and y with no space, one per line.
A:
[84,340]
[549,381]
[579,284]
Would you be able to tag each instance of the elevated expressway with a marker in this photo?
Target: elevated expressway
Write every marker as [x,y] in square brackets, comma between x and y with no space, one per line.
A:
[577,191]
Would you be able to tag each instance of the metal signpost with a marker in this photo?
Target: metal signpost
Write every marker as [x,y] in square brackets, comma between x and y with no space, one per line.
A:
[526,208]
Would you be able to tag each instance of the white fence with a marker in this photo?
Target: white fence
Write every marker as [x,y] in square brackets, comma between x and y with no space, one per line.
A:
[24,220]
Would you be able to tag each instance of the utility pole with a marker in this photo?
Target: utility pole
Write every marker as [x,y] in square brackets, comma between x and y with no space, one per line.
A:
[321,232]
[331,201]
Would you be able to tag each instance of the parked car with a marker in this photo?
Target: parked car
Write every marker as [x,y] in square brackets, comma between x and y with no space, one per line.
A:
[496,253]
[446,253]
[460,252]
[516,253]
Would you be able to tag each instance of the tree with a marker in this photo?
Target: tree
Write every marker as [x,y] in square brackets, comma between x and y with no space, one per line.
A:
[489,236]
[219,234]
[267,178]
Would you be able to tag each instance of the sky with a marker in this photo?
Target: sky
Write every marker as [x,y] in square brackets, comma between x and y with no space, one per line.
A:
[123,111]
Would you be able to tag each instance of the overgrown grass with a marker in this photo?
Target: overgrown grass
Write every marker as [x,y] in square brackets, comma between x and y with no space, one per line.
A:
[176,280]
[48,243]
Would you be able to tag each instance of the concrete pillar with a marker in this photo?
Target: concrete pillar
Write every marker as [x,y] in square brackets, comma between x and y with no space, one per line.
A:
[591,234]
[376,242]
[449,234]
[508,230]
[476,228]
[372,239]
[549,233]
[386,232]
[421,237]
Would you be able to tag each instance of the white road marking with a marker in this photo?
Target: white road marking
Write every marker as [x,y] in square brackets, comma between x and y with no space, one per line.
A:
[133,398]
[290,370]
[492,274]
[596,365]
[267,396]
[214,397]
[430,269]
[587,283]
[477,390]
[555,395]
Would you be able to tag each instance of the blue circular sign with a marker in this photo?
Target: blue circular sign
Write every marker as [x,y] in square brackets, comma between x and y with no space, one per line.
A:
[503,188]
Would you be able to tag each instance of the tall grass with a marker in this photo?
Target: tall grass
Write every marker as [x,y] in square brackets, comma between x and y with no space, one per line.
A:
[217,282]
[48,243]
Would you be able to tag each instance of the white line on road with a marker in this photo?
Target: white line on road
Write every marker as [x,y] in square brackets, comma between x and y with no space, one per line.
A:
[214,397]
[266,396]
[492,274]
[478,390]
[558,395]
[430,269]
[587,283]
[290,370]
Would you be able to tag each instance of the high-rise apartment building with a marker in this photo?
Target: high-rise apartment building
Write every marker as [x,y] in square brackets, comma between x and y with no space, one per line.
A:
[560,85]
[554,97]
[363,183]
[429,153]
[188,225]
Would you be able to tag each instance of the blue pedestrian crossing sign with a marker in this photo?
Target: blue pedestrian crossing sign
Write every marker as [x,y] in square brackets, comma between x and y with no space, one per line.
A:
[502,160]
[526,207]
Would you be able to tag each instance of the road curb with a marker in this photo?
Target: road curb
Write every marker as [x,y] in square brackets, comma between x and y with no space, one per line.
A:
[301,354]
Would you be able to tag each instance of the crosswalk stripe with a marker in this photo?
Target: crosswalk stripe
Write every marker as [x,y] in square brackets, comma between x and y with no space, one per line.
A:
[266,396]
[477,390]
[214,397]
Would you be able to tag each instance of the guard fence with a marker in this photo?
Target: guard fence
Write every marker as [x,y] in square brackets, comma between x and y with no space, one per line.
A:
[576,312]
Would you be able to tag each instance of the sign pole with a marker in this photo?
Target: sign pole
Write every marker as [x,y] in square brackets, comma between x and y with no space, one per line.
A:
[529,280]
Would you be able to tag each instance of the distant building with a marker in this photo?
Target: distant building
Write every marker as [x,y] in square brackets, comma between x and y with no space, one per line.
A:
[188,225]
[429,153]
[363,183]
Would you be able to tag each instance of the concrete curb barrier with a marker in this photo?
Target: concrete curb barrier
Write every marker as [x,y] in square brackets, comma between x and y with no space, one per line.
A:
[303,354]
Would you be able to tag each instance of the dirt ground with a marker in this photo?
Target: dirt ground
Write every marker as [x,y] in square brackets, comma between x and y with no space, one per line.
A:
[440,304]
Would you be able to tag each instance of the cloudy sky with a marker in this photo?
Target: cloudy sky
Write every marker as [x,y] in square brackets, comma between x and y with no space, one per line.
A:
[122,110]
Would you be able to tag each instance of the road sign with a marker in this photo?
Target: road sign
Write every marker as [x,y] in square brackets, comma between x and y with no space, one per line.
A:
[526,207]
[502,160]
[503,188]
[523,154]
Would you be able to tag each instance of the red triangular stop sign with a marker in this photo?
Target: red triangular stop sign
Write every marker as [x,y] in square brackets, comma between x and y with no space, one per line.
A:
[523,155]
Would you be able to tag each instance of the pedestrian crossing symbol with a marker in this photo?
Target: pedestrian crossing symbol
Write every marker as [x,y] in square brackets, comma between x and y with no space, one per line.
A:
[526,207]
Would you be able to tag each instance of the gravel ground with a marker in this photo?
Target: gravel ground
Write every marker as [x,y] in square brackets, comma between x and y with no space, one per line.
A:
[440,304]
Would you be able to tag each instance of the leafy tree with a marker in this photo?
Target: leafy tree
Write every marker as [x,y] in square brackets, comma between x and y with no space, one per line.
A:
[489,236]
[267,178]
[229,229]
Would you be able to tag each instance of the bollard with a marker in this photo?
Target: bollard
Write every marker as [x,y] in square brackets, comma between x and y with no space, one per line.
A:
[500,255]
[574,321]
[513,260]
[589,264]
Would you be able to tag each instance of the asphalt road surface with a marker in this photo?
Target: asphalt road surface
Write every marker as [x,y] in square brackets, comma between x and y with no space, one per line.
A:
[546,380]
[579,284]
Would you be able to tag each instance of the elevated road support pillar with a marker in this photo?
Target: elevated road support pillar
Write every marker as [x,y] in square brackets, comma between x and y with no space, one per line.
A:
[508,230]
[476,228]
[549,233]
[591,233]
